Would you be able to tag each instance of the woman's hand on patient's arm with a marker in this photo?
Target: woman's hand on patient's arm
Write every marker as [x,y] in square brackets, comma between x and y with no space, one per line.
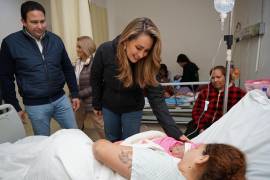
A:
[114,156]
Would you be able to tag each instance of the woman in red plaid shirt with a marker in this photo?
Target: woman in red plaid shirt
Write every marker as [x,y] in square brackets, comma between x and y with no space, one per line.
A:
[203,117]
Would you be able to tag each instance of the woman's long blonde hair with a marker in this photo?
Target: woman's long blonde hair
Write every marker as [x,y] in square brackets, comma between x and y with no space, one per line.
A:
[145,70]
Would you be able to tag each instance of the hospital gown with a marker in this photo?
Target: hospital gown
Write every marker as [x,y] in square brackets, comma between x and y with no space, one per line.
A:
[148,164]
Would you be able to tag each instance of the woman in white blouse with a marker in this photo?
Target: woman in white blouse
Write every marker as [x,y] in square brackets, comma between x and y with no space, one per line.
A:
[85,50]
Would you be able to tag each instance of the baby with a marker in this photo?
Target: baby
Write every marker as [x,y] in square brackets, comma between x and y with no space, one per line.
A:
[171,146]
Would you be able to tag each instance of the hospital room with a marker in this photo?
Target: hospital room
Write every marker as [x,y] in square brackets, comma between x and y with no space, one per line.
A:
[140,90]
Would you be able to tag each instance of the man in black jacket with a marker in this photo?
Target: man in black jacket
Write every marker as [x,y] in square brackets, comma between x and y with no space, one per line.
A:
[40,63]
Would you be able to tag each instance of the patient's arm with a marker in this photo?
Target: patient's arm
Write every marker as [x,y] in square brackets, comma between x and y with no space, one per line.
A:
[114,156]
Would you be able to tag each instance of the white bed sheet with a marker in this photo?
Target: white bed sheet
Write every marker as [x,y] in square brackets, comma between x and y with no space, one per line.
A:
[67,154]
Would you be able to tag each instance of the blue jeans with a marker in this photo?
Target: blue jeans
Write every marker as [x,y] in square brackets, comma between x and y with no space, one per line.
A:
[119,126]
[40,115]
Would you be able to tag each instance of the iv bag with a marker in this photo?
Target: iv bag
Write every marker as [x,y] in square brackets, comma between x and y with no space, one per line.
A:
[224,6]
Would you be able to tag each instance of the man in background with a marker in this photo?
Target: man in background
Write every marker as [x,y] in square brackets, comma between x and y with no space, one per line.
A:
[40,63]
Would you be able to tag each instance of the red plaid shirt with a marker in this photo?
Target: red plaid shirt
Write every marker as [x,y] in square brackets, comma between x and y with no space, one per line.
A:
[215,106]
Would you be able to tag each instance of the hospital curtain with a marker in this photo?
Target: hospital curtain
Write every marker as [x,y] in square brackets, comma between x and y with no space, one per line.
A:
[99,23]
[70,19]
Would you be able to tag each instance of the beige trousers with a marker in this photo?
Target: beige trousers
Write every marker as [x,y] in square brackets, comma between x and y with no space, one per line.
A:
[95,121]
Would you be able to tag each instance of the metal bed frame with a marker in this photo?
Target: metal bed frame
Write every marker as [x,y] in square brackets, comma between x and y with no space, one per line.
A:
[181,114]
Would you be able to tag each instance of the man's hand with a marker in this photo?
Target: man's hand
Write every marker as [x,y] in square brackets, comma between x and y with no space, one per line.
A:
[22,115]
[75,104]
[98,113]
[183,138]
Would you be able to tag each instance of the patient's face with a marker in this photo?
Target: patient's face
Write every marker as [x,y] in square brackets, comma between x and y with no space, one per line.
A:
[192,156]
[218,79]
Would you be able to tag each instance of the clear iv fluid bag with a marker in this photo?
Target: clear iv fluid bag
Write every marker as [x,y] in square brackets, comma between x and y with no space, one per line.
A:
[224,6]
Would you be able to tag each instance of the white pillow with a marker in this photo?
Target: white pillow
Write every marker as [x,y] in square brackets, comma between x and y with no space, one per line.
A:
[246,126]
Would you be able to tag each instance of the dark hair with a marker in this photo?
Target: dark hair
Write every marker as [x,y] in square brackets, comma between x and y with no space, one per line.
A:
[30,6]
[160,76]
[182,58]
[222,70]
[225,162]
[164,68]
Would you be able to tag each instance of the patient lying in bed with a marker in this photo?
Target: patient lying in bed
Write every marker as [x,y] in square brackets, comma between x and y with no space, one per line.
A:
[67,154]
[206,162]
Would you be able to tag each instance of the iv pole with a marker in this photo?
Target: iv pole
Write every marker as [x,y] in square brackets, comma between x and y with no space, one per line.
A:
[229,41]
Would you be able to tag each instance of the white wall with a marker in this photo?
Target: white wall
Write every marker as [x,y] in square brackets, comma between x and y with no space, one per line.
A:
[249,12]
[187,26]
[10,17]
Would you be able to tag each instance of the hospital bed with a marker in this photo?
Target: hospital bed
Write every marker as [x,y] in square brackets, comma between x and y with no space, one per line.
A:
[246,126]
[180,107]
[11,127]
[67,153]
